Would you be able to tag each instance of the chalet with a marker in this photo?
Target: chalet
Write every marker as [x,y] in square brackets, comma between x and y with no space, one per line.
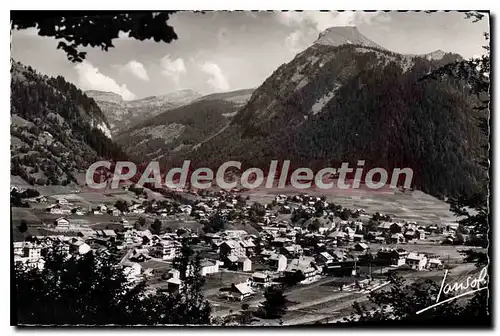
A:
[280,241]
[278,262]
[31,251]
[293,251]
[231,247]
[434,263]
[248,245]
[240,291]
[116,212]
[102,208]
[139,255]
[261,279]
[361,247]
[62,201]
[165,249]
[358,237]
[174,284]
[61,223]
[416,261]
[324,258]
[307,266]
[209,267]
[109,233]
[18,247]
[126,224]
[447,241]
[79,247]
[397,238]
[380,240]
[392,257]
[338,255]
[244,264]
[58,209]
[338,236]
[185,209]
[384,227]
[211,237]
[433,229]
[410,235]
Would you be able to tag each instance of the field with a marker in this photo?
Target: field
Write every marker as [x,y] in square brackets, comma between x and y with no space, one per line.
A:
[224,279]
[405,206]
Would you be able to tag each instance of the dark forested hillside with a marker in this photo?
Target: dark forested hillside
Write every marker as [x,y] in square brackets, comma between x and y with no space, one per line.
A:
[347,103]
[176,131]
[56,130]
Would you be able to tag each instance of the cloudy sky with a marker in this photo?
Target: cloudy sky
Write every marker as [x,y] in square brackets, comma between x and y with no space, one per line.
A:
[222,51]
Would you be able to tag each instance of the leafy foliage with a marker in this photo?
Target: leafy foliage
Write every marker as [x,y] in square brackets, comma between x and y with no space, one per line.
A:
[82,29]
[274,305]
[401,302]
[380,111]
[59,127]
[93,290]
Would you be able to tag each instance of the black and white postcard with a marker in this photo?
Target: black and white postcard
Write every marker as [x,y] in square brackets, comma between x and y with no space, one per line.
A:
[250,168]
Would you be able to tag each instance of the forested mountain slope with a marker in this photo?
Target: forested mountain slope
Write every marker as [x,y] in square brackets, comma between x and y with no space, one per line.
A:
[56,130]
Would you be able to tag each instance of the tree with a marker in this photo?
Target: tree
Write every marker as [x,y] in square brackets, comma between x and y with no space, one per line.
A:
[245,316]
[217,222]
[121,205]
[258,246]
[140,223]
[402,301]
[257,211]
[474,209]
[314,225]
[92,290]
[274,305]
[156,227]
[92,29]
[193,308]
[23,226]
[292,279]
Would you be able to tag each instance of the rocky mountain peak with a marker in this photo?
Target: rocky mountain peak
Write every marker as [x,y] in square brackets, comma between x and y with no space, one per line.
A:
[335,36]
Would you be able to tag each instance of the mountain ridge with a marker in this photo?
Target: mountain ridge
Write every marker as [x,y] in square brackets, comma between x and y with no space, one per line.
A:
[56,130]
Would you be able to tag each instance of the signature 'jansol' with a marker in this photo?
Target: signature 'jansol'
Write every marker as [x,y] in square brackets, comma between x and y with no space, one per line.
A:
[470,285]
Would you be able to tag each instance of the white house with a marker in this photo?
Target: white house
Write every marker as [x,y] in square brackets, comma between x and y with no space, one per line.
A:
[241,291]
[166,249]
[32,251]
[80,247]
[416,261]
[209,267]
[62,223]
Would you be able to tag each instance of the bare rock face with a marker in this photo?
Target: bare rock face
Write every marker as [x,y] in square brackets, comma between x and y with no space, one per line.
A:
[123,114]
[335,36]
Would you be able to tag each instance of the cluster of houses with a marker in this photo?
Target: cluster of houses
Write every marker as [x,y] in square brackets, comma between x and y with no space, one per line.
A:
[321,244]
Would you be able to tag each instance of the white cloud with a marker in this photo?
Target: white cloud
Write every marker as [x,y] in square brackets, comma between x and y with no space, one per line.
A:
[323,20]
[173,68]
[137,69]
[294,41]
[90,78]
[217,79]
